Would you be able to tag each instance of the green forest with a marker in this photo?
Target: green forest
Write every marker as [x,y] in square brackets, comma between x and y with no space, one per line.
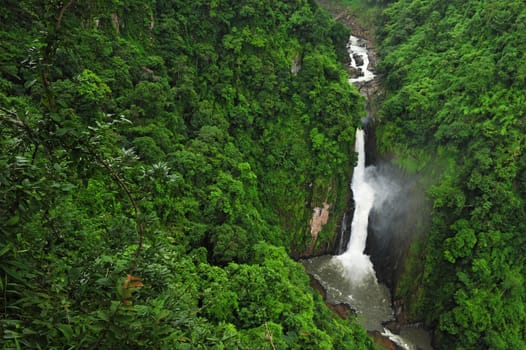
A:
[160,161]
[159,164]
[453,111]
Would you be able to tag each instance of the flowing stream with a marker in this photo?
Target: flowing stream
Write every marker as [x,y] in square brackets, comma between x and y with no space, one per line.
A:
[359,56]
[350,278]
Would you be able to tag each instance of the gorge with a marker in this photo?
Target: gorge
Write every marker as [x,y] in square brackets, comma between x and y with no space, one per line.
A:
[350,277]
[452,113]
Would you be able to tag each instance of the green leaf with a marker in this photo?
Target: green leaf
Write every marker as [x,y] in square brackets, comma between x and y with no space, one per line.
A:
[13,220]
[5,249]
[66,330]
[28,84]
[13,274]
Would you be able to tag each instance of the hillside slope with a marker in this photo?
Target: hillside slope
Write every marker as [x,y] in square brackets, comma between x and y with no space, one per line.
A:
[159,162]
[455,80]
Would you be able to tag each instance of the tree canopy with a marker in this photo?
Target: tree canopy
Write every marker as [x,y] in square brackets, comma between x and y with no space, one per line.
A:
[159,161]
[454,111]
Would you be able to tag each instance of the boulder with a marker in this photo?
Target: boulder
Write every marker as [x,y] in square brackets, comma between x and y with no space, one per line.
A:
[358,59]
[382,342]
[354,72]
[341,309]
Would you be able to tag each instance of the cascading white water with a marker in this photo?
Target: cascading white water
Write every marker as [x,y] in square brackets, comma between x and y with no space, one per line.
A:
[358,265]
[358,48]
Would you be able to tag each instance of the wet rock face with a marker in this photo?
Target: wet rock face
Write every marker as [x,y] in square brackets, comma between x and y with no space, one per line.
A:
[370,140]
[382,341]
[386,249]
[344,230]
[341,309]
[358,59]
[354,72]
[395,224]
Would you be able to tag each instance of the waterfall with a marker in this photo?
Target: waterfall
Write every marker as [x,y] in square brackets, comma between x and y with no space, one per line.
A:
[358,265]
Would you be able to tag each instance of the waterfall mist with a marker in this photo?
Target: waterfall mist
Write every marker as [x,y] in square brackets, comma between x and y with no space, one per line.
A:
[397,214]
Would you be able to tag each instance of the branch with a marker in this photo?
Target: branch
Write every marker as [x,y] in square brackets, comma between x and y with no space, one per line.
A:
[16,121]
[47,88]
[61,14]
[269,336]
[105,330]
[123,185]
[48,55]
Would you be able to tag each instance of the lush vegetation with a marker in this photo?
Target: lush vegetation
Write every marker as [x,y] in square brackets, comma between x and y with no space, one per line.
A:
[159,162]
[454,111]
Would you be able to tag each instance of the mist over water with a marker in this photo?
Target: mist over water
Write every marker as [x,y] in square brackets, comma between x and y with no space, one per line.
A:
[386,189]
[398,214]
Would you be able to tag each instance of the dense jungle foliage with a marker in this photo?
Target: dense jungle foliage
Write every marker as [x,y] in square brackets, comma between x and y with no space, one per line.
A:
[159,162]
[454,111]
